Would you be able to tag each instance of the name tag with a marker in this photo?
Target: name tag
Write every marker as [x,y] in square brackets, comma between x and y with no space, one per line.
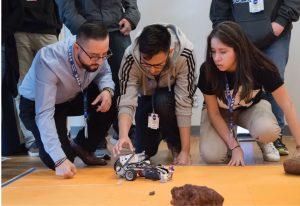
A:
[153,121]
[256,6]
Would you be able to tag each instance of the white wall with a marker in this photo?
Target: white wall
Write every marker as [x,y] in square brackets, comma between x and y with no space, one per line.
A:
[192,16]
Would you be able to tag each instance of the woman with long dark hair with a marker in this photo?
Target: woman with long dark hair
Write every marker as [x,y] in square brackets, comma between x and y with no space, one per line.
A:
[233,81]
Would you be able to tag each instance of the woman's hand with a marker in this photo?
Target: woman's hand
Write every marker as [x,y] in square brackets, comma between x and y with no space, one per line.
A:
[237,158]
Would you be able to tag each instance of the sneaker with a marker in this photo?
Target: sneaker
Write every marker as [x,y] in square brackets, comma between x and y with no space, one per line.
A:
[114,139]
[33,150]
[270,153]
[282,149]
[103,153]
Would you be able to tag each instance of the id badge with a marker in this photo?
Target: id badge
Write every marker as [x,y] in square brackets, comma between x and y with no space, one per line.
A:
[256,6]
[153,121]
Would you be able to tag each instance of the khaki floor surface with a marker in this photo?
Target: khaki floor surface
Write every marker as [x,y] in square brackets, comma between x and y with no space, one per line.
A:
[242,186]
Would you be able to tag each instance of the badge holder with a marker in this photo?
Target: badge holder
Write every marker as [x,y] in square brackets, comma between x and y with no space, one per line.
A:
[153,121]
[256,6]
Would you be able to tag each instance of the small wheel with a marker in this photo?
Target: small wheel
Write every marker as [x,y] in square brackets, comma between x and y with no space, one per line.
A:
[119,168]
[130,175]
[117,163]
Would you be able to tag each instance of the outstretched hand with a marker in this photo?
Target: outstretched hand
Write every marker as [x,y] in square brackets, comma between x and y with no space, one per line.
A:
[183,158]
[122,142]
[237,158]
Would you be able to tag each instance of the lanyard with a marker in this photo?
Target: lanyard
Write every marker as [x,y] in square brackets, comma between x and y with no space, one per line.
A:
[85,101]
[230,103]
[157,81]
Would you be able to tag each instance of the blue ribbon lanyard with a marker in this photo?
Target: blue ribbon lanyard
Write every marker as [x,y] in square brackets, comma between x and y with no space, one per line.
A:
[230,103]
[85,101]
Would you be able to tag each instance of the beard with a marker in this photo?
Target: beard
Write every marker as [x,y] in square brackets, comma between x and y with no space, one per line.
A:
[88,68]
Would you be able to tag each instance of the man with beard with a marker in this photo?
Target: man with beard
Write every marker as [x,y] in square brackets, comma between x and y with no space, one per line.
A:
[70,77]
[158,79]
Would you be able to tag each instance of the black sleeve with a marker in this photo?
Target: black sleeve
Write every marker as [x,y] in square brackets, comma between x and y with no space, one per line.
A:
[70,15]
[203,83]
[220,10]
[268,79]
[132,13]
[288,12]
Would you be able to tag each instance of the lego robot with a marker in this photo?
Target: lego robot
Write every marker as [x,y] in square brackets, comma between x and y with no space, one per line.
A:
[132,165]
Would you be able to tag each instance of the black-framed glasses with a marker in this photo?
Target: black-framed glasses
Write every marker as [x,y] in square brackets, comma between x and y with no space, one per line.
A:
[156,66]
[96,57]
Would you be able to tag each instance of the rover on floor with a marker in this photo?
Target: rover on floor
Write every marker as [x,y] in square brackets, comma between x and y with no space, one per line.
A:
[132,165]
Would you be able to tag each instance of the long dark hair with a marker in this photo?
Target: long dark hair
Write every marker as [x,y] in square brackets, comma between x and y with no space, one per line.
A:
[247,58]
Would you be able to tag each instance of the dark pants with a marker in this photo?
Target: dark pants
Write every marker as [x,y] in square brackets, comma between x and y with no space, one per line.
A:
[147,139]
[98,124]
[118,44]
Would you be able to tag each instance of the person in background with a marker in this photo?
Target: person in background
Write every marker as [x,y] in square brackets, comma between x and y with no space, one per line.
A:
[233,81]
[12,14]
[268,24]
[70,77]
[40,26]
[158,80]
[120,17]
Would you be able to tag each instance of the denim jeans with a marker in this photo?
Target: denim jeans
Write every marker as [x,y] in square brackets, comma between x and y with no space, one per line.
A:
[147,139]
[118,44]
[98,124]
[278,52]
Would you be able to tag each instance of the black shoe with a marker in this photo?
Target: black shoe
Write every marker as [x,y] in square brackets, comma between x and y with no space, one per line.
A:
[103,153]
[282,149]
[87,157]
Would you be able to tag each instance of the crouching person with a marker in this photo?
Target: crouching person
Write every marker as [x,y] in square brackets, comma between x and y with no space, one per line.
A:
[157,83]
[71,77]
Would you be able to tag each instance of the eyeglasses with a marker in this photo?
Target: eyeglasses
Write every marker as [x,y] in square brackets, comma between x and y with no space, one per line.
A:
[96,57]
[156,66]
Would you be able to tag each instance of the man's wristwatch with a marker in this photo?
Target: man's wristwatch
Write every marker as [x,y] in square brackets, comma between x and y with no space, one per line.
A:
[110,90]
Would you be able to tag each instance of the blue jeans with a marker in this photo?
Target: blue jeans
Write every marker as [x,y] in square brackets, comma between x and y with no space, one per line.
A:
[118,44]
[147,139]
[278,52]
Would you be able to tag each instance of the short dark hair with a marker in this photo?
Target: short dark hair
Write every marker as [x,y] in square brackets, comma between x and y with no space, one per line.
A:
[154,39]
[92,30]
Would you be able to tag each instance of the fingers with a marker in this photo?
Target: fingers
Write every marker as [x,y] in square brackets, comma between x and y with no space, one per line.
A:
[124,27]
[98,98]
[115,150]
[73,169]
[68,175]
[119,146]
[236,163]
[105,103]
